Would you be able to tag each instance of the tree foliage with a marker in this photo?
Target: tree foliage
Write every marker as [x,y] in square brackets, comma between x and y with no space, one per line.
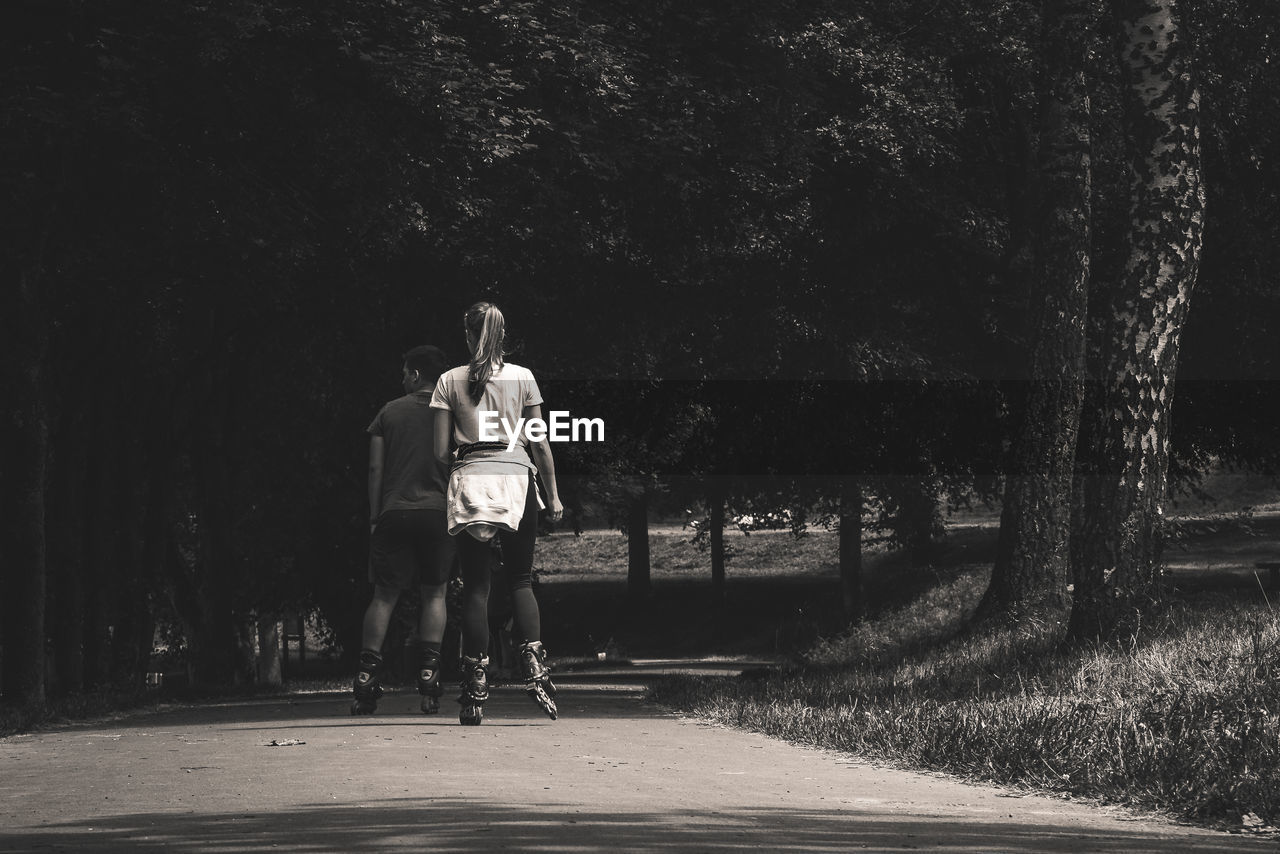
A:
[766,243]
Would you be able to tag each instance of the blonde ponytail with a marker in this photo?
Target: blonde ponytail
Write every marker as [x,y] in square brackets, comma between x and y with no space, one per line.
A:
[484,322]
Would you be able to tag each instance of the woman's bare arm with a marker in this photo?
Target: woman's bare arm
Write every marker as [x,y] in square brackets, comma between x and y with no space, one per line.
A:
[540,451]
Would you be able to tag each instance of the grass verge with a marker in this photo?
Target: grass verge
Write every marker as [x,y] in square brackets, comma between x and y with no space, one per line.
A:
[110,702]
[1183,719]
[73,707]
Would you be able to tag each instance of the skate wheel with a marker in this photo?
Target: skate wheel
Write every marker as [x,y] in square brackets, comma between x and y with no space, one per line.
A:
[363,708]
[544,701]
[430,705]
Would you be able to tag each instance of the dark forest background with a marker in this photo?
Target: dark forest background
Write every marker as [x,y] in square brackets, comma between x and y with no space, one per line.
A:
[786,250]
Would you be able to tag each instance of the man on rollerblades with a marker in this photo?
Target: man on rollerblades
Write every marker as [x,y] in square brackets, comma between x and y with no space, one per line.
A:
[410,543]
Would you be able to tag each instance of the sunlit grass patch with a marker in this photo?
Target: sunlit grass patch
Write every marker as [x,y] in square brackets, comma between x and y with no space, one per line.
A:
[603,555]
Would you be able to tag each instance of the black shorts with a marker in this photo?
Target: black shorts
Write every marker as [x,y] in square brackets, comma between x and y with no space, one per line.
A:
[411,547]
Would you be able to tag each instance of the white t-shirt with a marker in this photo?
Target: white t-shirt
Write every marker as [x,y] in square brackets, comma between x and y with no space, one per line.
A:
[508,391]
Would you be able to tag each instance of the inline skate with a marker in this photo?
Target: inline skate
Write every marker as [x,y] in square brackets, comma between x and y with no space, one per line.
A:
[474,690]
[367,686]
[537,677]
[429,686]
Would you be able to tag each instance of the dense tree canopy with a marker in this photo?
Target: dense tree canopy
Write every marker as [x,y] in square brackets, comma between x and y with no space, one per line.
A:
[737,234]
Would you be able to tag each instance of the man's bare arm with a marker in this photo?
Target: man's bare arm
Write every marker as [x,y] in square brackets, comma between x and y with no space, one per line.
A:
[377,454]
[443,430]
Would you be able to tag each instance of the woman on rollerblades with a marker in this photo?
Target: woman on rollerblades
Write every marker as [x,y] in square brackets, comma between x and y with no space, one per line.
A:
[492,492]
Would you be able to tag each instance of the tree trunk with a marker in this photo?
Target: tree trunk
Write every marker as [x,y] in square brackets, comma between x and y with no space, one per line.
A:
[851,549]
[639,586]
[134,622]
[716,500]
[269,665]
[102,551]
[1117,536]
[22,534]
[1032,558]
[217,653]
[916,523]
[156,533]
[248,651]
[67,552]
[180,583]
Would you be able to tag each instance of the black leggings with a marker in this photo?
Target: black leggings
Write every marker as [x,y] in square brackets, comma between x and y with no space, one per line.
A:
[517,560]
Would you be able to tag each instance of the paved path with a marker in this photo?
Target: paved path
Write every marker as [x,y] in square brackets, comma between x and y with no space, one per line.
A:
[612,773]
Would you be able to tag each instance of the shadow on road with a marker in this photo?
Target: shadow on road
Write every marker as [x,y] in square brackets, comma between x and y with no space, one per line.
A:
[507,706]
[607,693]
[459,825]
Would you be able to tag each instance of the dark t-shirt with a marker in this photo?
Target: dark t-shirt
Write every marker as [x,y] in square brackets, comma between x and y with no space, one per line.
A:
[412,479]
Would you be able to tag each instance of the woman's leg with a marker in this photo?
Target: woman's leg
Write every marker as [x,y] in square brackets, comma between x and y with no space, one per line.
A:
[517,563]
[477,560]
[517,557]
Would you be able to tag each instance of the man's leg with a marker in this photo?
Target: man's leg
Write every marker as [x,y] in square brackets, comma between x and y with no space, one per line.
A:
[377,617]
[389,564]
[430,638]
[435,553]
[367,687]
[432,622]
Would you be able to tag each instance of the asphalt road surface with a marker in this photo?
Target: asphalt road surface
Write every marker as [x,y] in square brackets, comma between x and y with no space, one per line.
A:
[614,773]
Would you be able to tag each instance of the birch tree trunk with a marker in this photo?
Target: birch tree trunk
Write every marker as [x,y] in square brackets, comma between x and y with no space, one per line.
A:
[1117,531]
[1032,561]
